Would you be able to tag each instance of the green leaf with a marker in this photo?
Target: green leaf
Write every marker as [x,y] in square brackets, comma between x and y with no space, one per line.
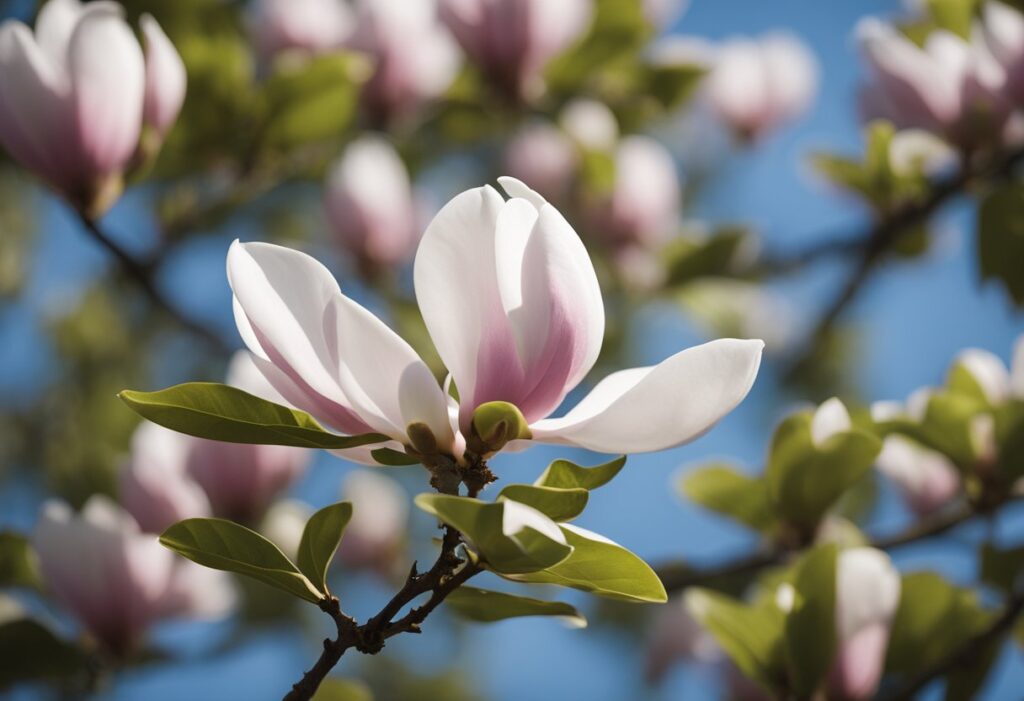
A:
[567,475]
[687,259]
[334,689]
[556,504]
[320,540]
[393,458]
[18,564]
[805,480]
[1002,567]
[946,427]
[31,652]
[1009,419]
[810,633]
[752,636]
[956,16]
[223,545]
[526,550]
[486,606]
[223,413]
[1001,239]
[734,494]
[601,567]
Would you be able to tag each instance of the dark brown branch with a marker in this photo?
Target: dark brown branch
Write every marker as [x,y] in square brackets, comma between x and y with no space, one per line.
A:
[142,274]
[972,649]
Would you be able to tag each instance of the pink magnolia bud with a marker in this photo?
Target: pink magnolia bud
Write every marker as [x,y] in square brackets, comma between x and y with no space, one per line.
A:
[1003,28]
[513,40]
[950,86]
[867,595]
[380,515]
[115,579]
[676,636]
[302,26]
[165,78]
[926,478]
[242,480]
[71,98]
[757,85]
[415,58]
[643,207]
[370,204]
[544,158]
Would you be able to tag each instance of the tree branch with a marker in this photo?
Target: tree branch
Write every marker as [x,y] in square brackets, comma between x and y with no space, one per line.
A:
[142,274]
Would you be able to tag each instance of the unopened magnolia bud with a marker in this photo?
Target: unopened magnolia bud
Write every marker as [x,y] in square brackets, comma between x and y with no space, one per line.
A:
[497,423]
[422,438]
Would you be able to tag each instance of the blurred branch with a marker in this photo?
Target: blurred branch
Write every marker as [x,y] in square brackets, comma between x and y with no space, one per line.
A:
[142,274]
[972,649]
[676,576]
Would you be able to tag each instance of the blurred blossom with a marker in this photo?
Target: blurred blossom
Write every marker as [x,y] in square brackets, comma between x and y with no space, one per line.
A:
[662,13]
[531,327]
[757,85]
[927,479]
[72,96]
[867,595]
[370,204]
[590,124]
[165,78]
[380,516]
[543,157]
[829,419]
[918,152]
[512,41]
[301,26]
[997,382]
[284,523]
[643,207]
[117,580]
[950,86]
[676,636]
[1003,28]
[415,58]
[732,307]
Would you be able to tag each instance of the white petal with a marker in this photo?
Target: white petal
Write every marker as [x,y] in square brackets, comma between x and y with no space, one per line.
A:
[165,77]
[54,26]
[647,409]
[517,516]
[829,419]
[988,371]
[867,590]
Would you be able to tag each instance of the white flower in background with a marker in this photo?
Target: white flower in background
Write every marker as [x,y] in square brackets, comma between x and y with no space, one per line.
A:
[544,158]
[300,26]
[867,595]
[590,124]
[512,41]
[998,383]
[927,479]
[735,307]
[74,96]
[370,203]
[919,152]
[676,636]
[1003,28]
[829,419]
[284,523]
[415,59]
[117,580]
[950,86]
[380,516]
[511,301]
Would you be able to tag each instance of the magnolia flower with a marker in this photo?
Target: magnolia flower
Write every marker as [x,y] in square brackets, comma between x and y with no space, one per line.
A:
[543,157]
[512,304]
[416,59]
[303,26]
[918,152]
[756,85]
[867,595]
[998,383]
[829,419]
[380,513]
[643,206]
[513,40]
[662,13]
[117,580]
[74,94]
[171,476]
[677,636]
[927,479]
[950,86]
[370,203]
[590,124]
[1003,28]
[284,523]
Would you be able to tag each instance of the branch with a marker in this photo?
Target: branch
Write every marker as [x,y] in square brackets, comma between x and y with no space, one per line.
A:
[142,274]
[971,650]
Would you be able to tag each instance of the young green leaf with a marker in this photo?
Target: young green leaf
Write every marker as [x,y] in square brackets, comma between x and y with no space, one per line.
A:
[810,632]
[393,458]
[18,565]
[732,493]
[31,652]
[334,689]
[223,413]
[1001,239]
[601,567]
[563,474]
[223,545]
[320,540]
[556,504]
[486,606]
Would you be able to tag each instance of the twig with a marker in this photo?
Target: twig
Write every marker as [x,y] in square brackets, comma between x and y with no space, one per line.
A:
[142,274]
[962,656]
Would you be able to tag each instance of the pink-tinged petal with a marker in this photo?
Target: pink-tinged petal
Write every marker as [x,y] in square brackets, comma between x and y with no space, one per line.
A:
[154,485]
[736,88]
[544,158]
[312,26]
[859,662]
[108,84]
[644,207]
[55,25]
[380,514]
[389,384]
[281,297]
[927,479]
[792,75]
[654,408]
[165,78]
[1004,34]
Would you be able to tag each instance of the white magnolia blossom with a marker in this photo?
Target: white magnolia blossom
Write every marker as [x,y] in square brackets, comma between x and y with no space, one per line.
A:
[999,383]
[590,124]
[380,516]
[117,580]
[867,595]
[829,419]
[543,157]
[927,479]
[302,26]
[512,304]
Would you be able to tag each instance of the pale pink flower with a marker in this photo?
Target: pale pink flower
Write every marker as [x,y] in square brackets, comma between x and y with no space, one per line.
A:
[380,515]
[1003,28]
[307,27]
[511,301]
[165,78]
[544,158]
[927,479]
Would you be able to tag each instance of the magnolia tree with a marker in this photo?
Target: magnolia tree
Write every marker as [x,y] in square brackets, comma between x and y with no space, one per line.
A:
[322,135]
